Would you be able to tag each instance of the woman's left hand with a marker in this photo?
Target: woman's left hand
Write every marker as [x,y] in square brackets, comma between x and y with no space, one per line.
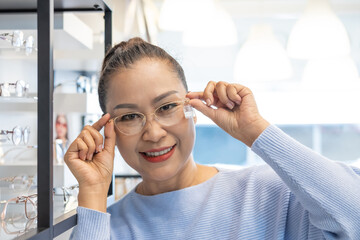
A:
[235,109]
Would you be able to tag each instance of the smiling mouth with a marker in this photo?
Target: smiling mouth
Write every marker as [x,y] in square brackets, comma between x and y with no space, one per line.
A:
[156,154]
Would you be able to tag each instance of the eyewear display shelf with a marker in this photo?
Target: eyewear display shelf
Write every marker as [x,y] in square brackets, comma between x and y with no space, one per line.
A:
[47,226]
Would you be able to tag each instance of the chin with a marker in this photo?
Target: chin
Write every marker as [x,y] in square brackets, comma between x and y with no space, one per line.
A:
[159,174]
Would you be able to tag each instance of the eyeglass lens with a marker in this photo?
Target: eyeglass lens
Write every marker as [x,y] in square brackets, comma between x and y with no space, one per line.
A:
[17,39]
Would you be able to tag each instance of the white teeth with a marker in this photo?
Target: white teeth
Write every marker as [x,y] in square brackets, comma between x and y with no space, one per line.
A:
[155,154]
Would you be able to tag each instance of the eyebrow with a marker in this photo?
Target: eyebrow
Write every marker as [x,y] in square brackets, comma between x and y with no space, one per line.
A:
[155,100]
[162,96]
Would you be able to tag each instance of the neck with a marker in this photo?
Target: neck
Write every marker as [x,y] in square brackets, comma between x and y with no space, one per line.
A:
[191,174]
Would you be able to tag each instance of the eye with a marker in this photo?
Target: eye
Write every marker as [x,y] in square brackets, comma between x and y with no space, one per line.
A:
[130,117]
[167,107]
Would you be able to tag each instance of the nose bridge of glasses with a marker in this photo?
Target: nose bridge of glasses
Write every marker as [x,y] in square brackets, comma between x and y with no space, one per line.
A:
[149,118]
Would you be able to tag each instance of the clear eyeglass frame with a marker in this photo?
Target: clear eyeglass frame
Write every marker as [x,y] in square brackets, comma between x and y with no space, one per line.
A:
[25,225]
[16,38]
[18,135]
[67,192]
[20,89]
[17,182]
[169,118]
[30,203]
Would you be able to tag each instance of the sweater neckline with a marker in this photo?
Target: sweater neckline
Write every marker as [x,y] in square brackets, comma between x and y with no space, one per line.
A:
[190,189]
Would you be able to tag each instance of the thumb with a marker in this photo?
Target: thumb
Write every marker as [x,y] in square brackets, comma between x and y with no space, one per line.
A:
[110,137]
[203,108]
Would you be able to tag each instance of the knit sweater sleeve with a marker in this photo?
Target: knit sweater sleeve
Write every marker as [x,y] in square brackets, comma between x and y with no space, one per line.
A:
[329,191]
[91,225]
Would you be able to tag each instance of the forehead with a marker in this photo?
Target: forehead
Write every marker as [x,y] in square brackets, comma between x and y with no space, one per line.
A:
[143,81]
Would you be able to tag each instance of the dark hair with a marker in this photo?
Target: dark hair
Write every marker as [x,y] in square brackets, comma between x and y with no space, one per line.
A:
[125,54]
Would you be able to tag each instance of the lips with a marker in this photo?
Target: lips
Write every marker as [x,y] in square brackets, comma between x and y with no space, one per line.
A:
[158,155]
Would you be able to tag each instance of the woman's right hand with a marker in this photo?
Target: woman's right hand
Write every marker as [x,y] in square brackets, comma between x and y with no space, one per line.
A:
[92,164]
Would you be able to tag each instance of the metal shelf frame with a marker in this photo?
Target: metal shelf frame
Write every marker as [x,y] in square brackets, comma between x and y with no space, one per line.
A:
[47,228]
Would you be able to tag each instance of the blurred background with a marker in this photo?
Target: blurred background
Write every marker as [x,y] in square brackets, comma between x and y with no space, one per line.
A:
[301,58]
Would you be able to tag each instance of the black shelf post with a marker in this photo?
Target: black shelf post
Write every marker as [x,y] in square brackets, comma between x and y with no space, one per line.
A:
[45,22]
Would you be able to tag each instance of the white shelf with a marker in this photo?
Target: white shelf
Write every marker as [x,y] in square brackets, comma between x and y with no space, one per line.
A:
[18,104]
[76,103]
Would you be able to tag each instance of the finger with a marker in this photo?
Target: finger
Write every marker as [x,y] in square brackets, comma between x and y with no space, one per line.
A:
[222,95]
[89,140]
[78,147]
[98,138]
[208,95]
[82,148]
[203,108]
[195,95]
[232,94]
[101,122]
[242,91]
[110,137]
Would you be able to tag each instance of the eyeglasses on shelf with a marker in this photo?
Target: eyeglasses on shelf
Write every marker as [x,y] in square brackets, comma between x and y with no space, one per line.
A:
[18,227]
[16,38]
[20,182]
[67,192]
[18,135]
[19,88]
[30,208]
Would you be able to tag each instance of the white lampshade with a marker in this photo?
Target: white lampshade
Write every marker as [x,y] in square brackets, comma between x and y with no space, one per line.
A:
[174,15]
[318,33]
[262,57]
[331,73]
[210,25]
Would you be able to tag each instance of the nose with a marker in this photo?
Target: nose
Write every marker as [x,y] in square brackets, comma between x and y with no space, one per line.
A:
[153,131]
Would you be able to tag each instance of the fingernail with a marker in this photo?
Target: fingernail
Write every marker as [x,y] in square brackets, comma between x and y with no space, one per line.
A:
[230,105]
[99,148]
[208,102]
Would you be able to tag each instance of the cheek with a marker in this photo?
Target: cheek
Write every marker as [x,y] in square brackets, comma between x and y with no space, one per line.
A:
[126,146]
[186,134]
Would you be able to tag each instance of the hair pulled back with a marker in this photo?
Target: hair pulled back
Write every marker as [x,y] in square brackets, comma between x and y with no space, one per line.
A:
[125,54]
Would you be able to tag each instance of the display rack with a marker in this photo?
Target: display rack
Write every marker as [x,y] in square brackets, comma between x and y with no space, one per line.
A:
[47,227]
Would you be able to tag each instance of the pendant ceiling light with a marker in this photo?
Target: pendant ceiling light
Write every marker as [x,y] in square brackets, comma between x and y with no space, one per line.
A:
[262,57]
[210,25]
[318,33]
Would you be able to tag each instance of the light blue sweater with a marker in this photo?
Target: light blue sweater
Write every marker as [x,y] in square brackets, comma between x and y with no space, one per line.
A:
[302,195]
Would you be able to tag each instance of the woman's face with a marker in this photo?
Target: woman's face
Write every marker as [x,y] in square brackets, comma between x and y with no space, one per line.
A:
[143,87]
[61,127]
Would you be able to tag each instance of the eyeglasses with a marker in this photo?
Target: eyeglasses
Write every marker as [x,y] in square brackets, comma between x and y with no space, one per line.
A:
[17,182]
[16,38]
[67,192]
[19,89]
[17,134]
[30,203]
[168,114]
[18,227]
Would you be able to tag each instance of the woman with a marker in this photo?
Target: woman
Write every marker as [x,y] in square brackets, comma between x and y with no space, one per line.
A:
[143,92]
[61,140]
